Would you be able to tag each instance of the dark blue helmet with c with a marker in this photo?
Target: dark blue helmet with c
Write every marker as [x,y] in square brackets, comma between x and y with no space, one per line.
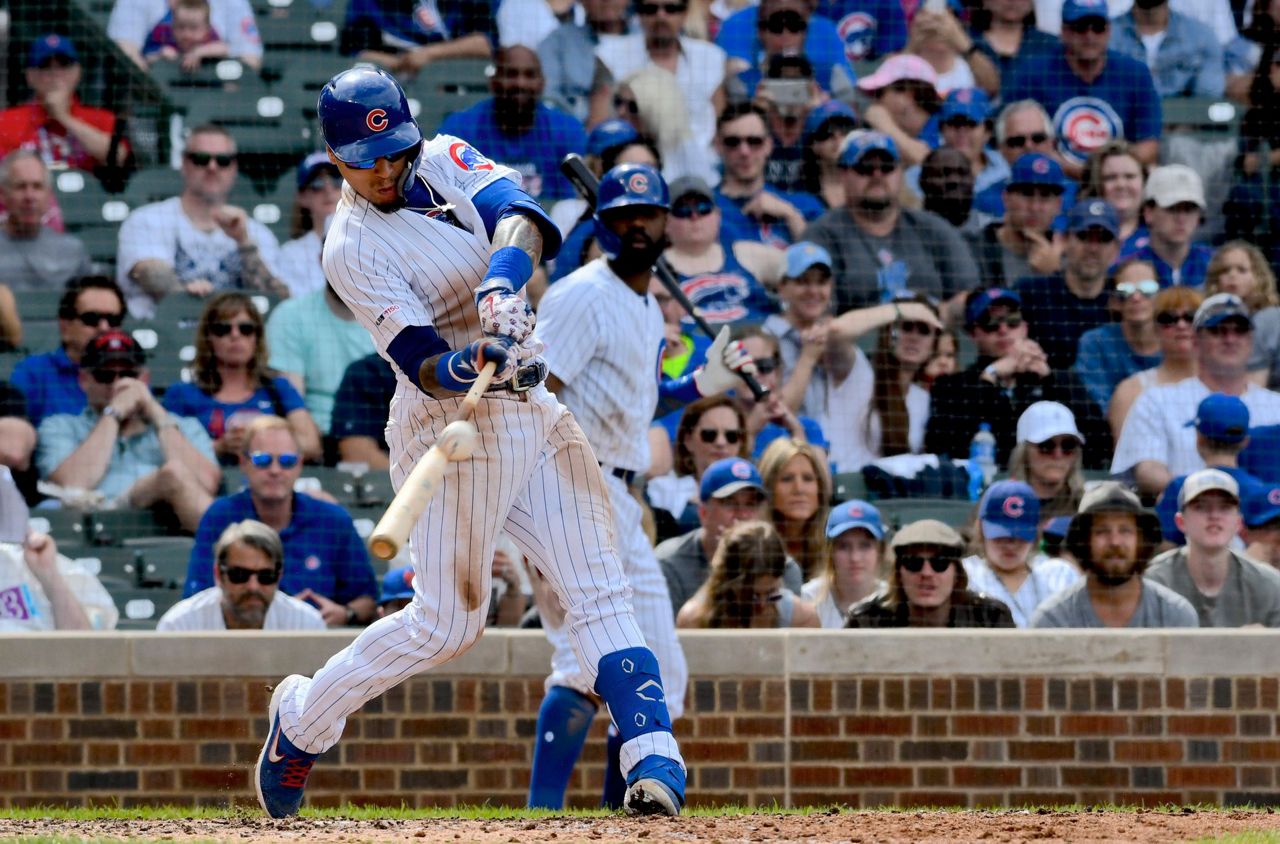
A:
[622,187]
[364,116]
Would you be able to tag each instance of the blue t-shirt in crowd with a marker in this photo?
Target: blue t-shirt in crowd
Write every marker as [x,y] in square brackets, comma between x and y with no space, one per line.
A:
[1121,103]
[536,155]
[1167,506]
[1104,359]
[423,22]
[1190,274]
[1259,456]
[189,400]
[823,48]
[322,550]
[51,384]
[869,29]
[736,225]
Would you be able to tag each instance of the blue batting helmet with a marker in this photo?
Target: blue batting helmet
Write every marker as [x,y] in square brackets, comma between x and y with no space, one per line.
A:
[364,116]
[624,186]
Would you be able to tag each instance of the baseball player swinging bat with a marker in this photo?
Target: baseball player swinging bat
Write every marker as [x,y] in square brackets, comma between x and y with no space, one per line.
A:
[456,443]
[585,182]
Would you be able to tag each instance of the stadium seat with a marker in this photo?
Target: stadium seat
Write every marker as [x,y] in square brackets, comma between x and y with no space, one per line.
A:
[153,185]
[163,561]
[897,512]
[117,527]
[38,305]
[847,485]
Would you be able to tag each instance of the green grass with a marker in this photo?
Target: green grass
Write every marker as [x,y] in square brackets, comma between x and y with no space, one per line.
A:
[1258,836]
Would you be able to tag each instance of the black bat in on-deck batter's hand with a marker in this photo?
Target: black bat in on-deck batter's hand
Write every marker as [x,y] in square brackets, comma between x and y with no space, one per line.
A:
[586,183]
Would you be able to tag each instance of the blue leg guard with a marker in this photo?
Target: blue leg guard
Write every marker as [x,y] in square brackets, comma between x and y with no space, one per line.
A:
[563,722]
[614,785]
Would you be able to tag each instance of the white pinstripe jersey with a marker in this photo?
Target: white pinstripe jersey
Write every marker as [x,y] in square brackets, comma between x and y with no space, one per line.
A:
[603,342]
[407,268]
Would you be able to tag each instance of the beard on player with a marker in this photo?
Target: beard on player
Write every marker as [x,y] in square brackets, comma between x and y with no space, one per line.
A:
[639,251]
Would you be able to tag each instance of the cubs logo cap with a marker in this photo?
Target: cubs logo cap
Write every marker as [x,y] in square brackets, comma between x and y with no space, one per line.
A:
[970,103]
[725,477]
[51,44]
[984,301]
[858,145]
[1223,418]
[928,532]
[1093,214]
[1221,307]
[1045,420]
[1010,509]
[828,111]
[1174,184]
[854,514]
[799,257]
[397,584]
[365,115]
[1078,10]
[1036,168]
[609,134]
[1207,480]
[1261,504]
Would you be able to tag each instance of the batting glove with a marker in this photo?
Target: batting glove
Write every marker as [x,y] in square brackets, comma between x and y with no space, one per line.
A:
[725,364]
[458,370]
[503,312]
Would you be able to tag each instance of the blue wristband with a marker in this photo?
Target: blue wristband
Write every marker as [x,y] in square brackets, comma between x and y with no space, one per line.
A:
[512,264]
[683,389]
[454,371]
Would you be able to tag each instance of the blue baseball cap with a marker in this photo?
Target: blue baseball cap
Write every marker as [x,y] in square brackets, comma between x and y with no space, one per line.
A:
[1221,307]
[1036,168]
[854,514]
[725,477]
[309,166]
[971,103]
[982,303]
[610,133]
[803,255]
[1057,527]
[1077,10]
[1261,504]
[51,44]
[397,584]
[1223,418]
[830,110]
[1010,508]
[858,145]
[1093,214]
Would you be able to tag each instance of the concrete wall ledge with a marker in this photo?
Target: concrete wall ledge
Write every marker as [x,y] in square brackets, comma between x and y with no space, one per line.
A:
[711,654]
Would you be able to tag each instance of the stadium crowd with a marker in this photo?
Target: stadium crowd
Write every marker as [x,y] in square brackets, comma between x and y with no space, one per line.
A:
[937,227]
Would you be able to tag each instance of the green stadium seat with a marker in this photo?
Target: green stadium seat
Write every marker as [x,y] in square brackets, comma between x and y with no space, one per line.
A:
[848,485]
[153,185]
[38,305]
[441,88]
[118,527]
[141,608]
[897,512]
[68,527]
[163,561]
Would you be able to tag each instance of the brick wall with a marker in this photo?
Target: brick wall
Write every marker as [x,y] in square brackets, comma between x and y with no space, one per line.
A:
[862,719]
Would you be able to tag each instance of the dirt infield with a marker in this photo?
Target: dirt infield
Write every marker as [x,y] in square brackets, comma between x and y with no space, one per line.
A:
[1015,826]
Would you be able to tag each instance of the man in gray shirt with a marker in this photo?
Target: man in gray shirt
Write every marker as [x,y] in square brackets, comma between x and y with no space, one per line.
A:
[731,492]
[1225,588]
[1112,536]
[32,255]
[881,249]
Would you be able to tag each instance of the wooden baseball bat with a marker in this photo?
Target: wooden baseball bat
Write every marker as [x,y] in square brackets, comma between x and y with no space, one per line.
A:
[586,183]
[456,442]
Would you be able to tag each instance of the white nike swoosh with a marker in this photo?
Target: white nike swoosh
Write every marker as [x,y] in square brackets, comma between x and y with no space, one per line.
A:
[272,755]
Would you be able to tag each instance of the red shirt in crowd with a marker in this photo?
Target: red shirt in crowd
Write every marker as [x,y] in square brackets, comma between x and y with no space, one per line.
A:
[30,127]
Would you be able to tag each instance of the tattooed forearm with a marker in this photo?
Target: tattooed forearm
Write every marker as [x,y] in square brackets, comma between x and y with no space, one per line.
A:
[157,278]
[254,274]
[521,232]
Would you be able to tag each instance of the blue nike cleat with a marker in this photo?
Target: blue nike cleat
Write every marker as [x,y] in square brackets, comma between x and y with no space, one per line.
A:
[281,773]
[655,787]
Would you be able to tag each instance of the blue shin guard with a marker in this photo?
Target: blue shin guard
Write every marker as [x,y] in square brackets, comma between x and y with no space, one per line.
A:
[563,722]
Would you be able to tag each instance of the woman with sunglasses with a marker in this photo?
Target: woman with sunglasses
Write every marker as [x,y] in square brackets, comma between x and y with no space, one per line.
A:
[710,429]
[1048,458]
[1113,173]
[928,587]
[853,562]
[798,482]
[231,383]
[824,131]
[1108,354]
[1239,267]
[319,188]
[1175,311]
[1007,563]
[744,589]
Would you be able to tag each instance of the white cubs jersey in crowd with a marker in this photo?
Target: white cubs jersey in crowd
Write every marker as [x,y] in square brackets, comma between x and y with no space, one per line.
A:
[603,341]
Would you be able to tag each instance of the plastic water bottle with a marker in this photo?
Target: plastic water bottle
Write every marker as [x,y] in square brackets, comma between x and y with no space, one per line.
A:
[982,461]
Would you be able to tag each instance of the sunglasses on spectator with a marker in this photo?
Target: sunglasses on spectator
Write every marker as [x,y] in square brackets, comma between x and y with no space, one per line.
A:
[828,130]
[1095,25]
[1230,328]
[870,168]
[222,329]
[913,326]
[700,208]
[1019,141]
[960,122]
[1147,287]
[56,61]
[989,324]
[202,159]
[110,376]
[393,158]
[263,459]
[239,576]
[764,366]
[92,319]
[735,141]
[780,22]
[915,565]
[710,435]
[1169,319]
[651,9]
[1038,191]
[320,183]
[768,597]
[626,104]
[1067,445]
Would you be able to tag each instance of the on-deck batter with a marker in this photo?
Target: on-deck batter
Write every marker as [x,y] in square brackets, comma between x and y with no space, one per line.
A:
[429,246]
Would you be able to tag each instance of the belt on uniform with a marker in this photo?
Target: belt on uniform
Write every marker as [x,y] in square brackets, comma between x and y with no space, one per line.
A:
[624,475]
[526,378]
